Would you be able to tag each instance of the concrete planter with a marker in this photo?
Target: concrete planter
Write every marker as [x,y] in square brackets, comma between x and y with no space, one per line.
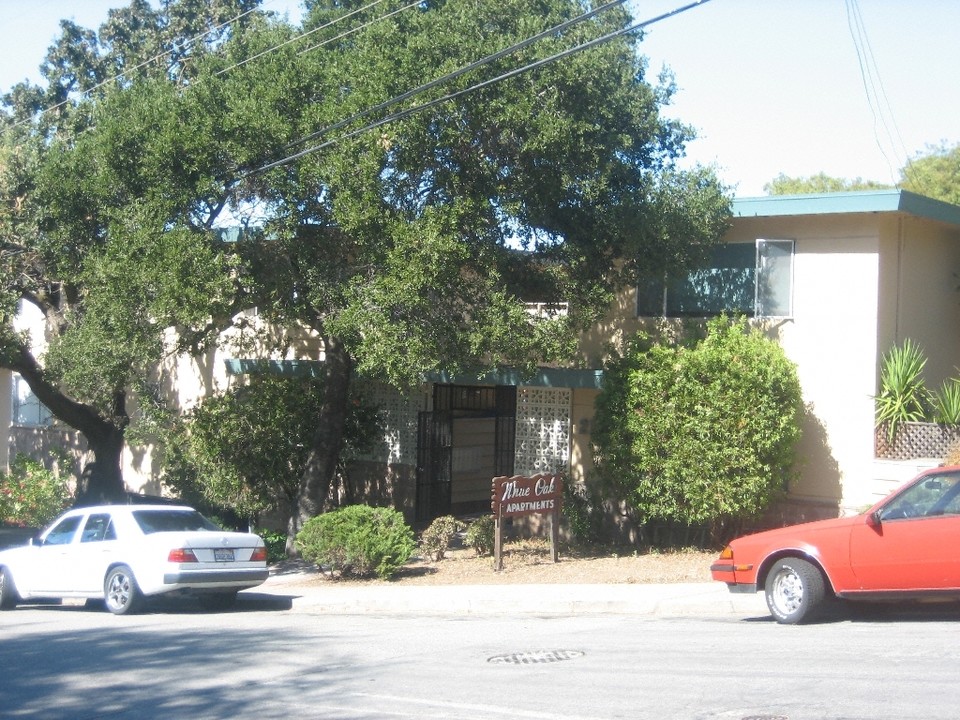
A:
[916,440]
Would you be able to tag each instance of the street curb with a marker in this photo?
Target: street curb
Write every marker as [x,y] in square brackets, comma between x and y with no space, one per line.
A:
[311,595]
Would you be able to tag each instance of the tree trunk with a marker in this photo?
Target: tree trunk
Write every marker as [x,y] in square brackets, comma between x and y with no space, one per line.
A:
[324,453]
[102,479]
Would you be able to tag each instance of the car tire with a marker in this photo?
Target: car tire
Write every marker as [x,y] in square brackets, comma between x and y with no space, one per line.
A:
[218,601]
[9,597]
[121,594]
[794,590]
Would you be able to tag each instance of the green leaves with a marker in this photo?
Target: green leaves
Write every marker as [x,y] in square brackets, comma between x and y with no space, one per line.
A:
[699,435]
[246,449]
[358,540]
[903,395]
[934,173]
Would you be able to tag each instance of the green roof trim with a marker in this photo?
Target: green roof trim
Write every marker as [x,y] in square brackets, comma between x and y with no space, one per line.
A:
[868,201]
[542,377]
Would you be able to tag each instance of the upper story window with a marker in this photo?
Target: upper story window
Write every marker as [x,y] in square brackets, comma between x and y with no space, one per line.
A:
[755,280]
[27,409]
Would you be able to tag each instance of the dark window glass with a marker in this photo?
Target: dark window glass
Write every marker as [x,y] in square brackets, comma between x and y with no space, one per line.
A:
[152,521]
[740,278]
[727,285]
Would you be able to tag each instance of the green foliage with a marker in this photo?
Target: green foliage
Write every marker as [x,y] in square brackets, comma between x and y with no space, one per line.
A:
[435,540]
[945,402]
[903,394]
[701,435]
[31,495]
[934,173]
[480,535]
[276,543]
[246,449]
[583,512]
[358,540]
[396,247]
[820,183]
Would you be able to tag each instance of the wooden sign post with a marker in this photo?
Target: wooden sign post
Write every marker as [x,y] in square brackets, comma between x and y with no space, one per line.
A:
[522,495]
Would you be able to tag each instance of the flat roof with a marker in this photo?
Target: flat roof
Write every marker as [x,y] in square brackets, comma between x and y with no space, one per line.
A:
[867,201]
[541,377]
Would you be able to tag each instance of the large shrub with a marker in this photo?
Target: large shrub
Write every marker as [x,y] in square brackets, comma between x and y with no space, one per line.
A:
[699,435]
[357,540]
[246,450]
[30,494]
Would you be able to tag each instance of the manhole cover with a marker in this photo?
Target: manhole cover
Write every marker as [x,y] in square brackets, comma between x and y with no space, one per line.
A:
[540,656]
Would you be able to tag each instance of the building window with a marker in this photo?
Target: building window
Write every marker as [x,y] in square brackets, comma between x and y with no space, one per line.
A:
[27,409]
[755,280]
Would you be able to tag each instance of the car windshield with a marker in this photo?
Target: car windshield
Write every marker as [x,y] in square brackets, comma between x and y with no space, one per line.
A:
[932,496]
[154,521]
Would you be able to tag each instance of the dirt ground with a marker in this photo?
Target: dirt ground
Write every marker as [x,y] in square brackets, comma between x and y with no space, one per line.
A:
[530,562]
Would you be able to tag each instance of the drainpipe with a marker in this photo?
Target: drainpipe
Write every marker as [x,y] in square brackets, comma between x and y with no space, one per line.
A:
[900,253]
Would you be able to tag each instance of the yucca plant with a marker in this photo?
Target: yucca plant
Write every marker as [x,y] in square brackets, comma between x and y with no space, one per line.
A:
[946,403]
[903,396]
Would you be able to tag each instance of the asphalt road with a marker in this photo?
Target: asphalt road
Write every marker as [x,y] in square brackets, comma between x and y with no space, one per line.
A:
[274,658]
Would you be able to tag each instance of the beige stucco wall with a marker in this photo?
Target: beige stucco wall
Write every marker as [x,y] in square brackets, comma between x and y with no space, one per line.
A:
[581,424]
[832,337]
[920,278]
[861,283]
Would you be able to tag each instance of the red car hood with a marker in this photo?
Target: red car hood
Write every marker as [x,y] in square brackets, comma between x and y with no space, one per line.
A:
[804,532]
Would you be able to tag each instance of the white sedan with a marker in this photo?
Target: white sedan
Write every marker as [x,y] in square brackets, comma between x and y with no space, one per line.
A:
[123,553]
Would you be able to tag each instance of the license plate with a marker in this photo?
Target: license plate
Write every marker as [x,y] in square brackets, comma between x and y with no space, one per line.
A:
[223,554]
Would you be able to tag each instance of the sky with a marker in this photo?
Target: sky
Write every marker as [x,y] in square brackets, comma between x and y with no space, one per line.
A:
[852,88]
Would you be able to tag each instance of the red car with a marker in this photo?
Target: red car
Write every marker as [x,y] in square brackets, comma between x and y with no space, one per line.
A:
[907,546]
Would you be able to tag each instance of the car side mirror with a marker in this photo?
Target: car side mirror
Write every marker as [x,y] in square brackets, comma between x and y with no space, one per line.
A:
[874,519]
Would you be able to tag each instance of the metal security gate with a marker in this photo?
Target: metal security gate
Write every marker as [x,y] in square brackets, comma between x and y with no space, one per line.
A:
[435,440]
[434,464]
[506,432]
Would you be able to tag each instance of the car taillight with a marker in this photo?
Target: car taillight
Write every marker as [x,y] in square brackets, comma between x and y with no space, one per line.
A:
[259,555]
[182,555]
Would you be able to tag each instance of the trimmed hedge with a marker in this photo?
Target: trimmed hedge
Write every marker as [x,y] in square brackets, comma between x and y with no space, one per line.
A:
[357,540]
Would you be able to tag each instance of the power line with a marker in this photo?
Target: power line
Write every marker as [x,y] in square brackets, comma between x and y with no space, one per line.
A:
[477,86]
[204,34]
[307,34]
[874,89]
[126,72]
[457,73]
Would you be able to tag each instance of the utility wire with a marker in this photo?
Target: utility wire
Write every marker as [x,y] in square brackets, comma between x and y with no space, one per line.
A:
[875,92]
[364,26]
[199,37]
[451,96]
[307,34]
[146,62]
[457,73]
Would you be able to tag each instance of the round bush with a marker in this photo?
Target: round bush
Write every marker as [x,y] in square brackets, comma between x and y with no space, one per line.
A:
[357,540]
[480,535]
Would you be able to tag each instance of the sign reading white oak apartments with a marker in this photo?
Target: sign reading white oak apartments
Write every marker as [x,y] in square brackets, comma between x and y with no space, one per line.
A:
[521,495]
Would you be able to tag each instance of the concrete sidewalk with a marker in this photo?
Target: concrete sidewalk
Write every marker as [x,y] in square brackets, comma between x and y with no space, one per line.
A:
[312,595]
